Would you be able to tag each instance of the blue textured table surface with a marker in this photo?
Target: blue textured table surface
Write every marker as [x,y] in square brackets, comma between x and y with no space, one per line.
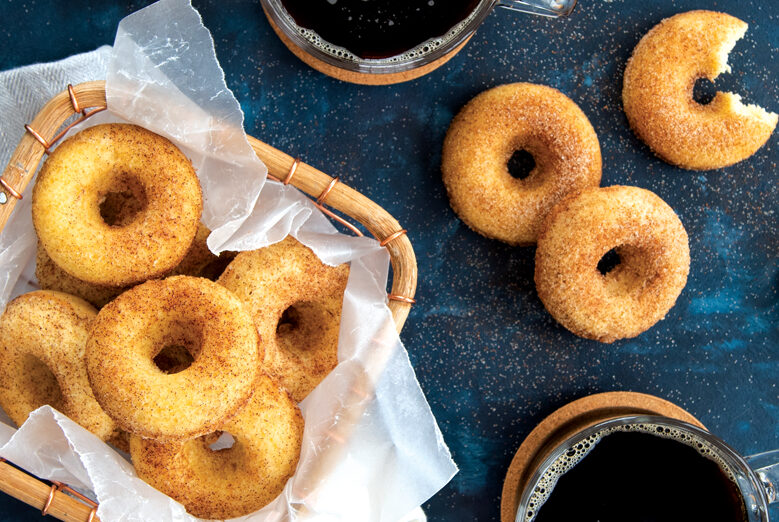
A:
[492,362]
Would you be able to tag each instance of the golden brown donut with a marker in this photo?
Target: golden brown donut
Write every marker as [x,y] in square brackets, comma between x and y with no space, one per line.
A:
[181,311]
[198,256]
[489,130]
[295,301]
[198,262]
[217,266]
[234,481]
[654,261]
[52,277]
[42,339]
[657,94]
[100,160]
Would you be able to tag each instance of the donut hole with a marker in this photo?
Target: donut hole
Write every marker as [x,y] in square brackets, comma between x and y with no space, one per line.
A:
[521,164]
[219,441]
[180,342]
[300,325]
[43,388]
[633,271]
[609,261]
[703,92]
[122,204]
[218,453]
[174,359]
[290,321]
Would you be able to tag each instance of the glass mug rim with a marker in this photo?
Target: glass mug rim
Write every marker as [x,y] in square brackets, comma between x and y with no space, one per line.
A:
[756,494]
[276,12]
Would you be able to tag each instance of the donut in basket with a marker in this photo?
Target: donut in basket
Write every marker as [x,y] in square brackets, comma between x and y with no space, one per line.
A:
[168,363]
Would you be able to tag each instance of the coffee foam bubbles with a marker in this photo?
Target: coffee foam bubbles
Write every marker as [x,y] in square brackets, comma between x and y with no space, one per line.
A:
[576,453]
[342,53]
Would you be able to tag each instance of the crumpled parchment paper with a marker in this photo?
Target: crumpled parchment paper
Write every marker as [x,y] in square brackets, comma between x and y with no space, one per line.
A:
[371,448]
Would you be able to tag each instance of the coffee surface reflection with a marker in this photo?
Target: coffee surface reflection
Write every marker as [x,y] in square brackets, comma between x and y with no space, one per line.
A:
[379,29]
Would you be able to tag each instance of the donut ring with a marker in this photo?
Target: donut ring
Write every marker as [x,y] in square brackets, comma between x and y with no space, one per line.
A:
[654,261]
[198,260]
[52,277]
[295,301]
[134,328]
[657,94]
[100,160]
[42,339]
[232,482]
[488,131]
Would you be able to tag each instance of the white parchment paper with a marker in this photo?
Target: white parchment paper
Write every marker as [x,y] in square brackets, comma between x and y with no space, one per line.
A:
[371,448]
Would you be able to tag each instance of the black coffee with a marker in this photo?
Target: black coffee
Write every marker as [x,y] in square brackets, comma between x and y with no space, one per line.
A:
[375,29]
[639,477]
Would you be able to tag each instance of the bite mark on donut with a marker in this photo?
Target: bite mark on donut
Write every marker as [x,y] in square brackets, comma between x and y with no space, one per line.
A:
[734,99]
[750,110]
[659,94]
[727,46]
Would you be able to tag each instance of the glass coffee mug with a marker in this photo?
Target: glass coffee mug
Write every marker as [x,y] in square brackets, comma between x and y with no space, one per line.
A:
[642,467]
[380,42]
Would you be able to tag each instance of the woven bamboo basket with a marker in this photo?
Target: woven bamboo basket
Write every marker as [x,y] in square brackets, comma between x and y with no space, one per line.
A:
[86,99]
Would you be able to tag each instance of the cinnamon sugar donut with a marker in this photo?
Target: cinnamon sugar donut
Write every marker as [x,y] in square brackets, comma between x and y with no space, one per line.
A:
[52,277]
[181,311]
[235,481]
[295,301]
[489,130]
[658,94]
[197,262]
[100,160]
[654,261]
[42,339]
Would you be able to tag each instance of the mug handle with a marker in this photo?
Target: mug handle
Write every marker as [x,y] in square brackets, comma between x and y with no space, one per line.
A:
[766,466]
[552,8]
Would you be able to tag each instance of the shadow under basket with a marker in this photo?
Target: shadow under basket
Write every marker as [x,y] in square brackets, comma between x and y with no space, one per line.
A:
[84,100]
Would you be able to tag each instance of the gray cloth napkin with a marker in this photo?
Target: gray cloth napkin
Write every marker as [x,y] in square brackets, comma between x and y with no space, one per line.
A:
[25,90]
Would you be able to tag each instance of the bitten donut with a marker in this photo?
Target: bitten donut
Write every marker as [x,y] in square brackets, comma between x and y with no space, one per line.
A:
[657,94]
[235,481]
[181,311]
[489,130]
[295,301]
[42,339]
[76,179]
[654,259]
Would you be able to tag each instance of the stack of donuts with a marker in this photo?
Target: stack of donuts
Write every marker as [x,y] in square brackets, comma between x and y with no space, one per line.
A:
[144,338]
[610,262]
